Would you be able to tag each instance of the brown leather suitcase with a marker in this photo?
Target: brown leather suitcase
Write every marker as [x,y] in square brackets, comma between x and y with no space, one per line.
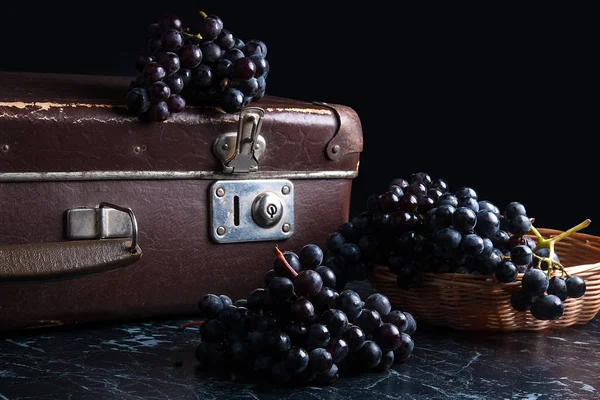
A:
[106,217]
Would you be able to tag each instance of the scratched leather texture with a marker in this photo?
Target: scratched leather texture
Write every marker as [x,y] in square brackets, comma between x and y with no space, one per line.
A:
[67,123]
[59,260]
[180,263]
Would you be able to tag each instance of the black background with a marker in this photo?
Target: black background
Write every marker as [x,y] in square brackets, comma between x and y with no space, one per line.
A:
[500,99]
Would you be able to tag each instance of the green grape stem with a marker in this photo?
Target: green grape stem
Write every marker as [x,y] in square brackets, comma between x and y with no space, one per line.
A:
[549,243]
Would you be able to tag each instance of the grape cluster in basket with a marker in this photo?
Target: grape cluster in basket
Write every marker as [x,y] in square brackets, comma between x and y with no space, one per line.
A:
[420,225]
[210,68]
[299,330]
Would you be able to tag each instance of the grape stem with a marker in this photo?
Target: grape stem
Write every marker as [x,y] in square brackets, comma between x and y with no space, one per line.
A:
[544,243]
[196,36]
[189,325]
[281,258]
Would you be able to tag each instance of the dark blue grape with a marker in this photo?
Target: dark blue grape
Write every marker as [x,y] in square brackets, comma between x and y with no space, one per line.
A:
[292,259]
[500,239]
[138,100]
[387,336]
[513,209]
[464,219]
[534,282]
[225,40]
[466,192]
[519,225]
[350,303]
[308,283]
[379,303]
[486,205]
[296,360]
[472,244]
[449,199]
[469,202]
[328,377]
[369,355]
[521,301]
[311,256]
[210,305]
[210,28]
[448,238]
[336,321]
[411,327]
[521,255]
[397,318]
[249,87]
[317,335]
[368,320]
[354,337]
[488,224]
[488,266]
[302,311]
[488,247]
[575,287]
[547,308]
[320,360]
[232,100]
[281,288]
[422,177]
[558,287]
[434,193]
[262,65]
[506,271]
[407,345]
[338,348]
[324,300]
[387,360]
[350,252]
[441,185]
[443,215]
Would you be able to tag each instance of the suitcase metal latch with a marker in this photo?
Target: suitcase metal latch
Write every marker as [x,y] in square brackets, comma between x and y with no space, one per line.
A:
[240,151]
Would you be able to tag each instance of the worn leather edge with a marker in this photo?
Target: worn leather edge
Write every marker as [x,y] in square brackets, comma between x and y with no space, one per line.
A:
[348,138]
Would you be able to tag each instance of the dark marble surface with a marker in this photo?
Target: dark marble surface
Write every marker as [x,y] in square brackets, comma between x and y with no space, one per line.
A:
[150,360]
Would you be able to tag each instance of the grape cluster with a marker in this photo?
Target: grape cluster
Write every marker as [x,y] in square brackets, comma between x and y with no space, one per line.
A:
[419,225]
[298,329]
[212,68]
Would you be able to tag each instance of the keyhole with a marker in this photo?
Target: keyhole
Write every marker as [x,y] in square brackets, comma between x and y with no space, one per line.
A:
[272,210]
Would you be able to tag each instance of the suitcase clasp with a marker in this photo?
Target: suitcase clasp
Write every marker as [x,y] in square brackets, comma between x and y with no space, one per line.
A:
[240,151]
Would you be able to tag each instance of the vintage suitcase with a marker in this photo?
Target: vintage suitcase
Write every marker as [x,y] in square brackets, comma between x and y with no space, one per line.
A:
[106,217]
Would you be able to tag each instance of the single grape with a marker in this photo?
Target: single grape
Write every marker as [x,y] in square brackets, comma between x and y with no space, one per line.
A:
[296,360]
[472,244]
[379,303]
[225,40]
[448,238]
[170,21]
[154,44]
[412,324]
[369,355]
[190,56]
[349,303]
[389,202]
[186,75]
[329,377]
[469,202]
[449,199]
[335,241]
[327,275]
[159,112]
[226,300]
[488,206]
[387,336]
[222,68]
[368,320]
[239,44]
[425,203]
[169,61]
[521,255]
[240,303]
[350,252]
[416,188]
[466,192]
[262,65]
[488,224]
[171,40]
[211,52]
[210,28]
[159,91]
[317,335]
[506,271]
[440,184]
[281,288]
[320,360]
[443,215]
[464,219]
[513,209]
[324,300]
[399,182]
[408,202]
[233,54]
[488,247]
[422,177]
[249,87]
[519,225]
[138,100]
[336,321]
[255,47]
[521,301]
[338,348]
[558,287]
[575,287]
[397,318]
[232,100]
[292,259]
[308,283]
[434,193]
[534,282]
[387,360]
[153,72]
[302,311]
[500,239]
[547,308]
[210,305]
[311,256]
[175,83]
[405,349]
[175,103]
[243,68]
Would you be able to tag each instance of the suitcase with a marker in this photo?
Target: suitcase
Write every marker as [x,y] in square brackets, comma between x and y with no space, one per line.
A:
[105,217]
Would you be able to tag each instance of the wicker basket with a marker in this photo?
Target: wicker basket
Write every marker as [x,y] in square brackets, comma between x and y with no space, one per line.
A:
[476,302]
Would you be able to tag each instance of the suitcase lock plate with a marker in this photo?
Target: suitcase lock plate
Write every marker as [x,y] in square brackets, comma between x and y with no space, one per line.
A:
[252,210]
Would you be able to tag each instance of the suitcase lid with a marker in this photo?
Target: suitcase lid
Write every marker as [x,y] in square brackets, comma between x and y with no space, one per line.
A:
[76,127]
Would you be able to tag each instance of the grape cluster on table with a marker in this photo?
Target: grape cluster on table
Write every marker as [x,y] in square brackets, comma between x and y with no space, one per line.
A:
[212,68]
[419,225]
[299,330]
